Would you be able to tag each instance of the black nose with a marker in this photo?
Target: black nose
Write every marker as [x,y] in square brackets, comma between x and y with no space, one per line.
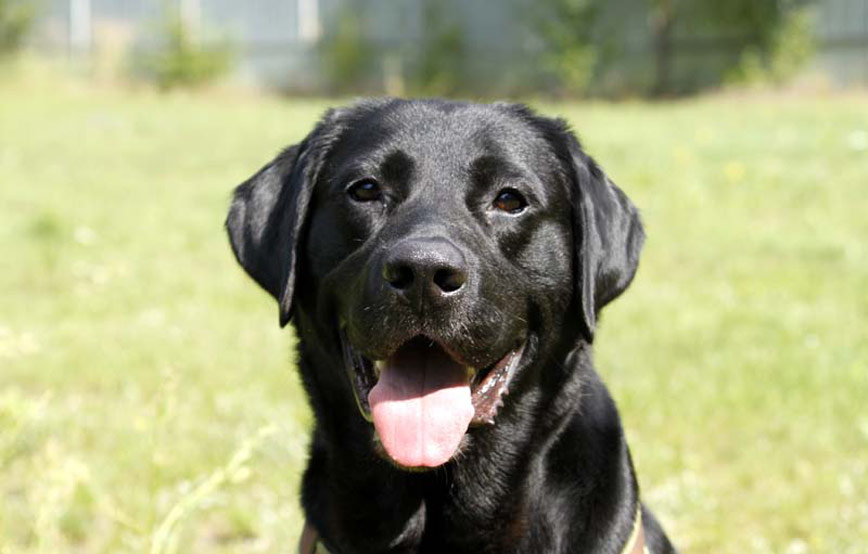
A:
[425,269]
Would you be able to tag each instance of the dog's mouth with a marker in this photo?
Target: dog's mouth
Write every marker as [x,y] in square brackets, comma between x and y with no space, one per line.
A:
[422,400]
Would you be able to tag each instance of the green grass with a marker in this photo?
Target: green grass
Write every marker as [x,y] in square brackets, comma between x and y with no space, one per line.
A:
[147,397]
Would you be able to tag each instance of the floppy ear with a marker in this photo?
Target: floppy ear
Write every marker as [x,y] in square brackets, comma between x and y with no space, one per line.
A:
[607,231]
[265,221]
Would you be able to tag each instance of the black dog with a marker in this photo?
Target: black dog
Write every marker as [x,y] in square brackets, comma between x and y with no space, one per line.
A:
[444,265]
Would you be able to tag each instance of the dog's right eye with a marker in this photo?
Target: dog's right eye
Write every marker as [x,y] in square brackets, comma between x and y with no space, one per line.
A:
[366,190]
[510,201]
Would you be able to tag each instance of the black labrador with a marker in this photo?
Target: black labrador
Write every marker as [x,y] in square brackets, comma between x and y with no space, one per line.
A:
[444,265]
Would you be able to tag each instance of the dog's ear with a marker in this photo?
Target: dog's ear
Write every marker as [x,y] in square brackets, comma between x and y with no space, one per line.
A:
[607,232]
[265,221]
[269,210]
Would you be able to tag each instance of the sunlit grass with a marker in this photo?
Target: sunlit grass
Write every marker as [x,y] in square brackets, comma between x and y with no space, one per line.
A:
[139,366]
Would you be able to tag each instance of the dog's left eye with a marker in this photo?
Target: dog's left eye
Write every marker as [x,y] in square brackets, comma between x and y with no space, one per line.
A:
[510,201]
[366,190]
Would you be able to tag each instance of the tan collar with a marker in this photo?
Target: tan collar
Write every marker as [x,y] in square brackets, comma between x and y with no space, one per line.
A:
[310,543]
[636,542]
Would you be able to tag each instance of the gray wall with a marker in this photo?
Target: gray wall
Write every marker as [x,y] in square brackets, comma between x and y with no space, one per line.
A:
[501,53]
[843,35]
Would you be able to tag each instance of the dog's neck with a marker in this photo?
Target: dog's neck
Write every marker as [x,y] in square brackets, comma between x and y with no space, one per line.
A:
[490,494]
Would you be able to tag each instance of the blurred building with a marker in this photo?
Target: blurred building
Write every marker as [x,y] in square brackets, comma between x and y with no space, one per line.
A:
[492,47]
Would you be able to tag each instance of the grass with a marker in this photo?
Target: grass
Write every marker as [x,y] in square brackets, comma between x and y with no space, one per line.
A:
[147,399]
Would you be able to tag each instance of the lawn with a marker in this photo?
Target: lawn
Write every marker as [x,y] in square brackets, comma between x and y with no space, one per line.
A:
[147,397]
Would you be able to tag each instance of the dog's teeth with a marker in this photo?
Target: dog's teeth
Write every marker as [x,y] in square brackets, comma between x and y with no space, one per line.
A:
[378,365]
[471,373]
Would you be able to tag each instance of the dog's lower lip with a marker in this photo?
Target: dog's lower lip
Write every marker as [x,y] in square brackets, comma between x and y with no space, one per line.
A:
[362,375]
[492,385]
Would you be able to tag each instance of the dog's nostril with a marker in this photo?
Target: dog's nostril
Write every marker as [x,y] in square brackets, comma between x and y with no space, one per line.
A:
[449,279]
[399,276]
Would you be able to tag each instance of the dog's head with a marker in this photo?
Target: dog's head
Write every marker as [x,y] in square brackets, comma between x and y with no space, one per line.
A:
[445,251]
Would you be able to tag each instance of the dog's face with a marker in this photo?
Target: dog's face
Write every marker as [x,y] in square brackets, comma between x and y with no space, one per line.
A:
[446,252]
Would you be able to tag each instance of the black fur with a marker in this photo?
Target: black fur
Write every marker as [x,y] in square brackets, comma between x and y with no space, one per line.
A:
[553,472]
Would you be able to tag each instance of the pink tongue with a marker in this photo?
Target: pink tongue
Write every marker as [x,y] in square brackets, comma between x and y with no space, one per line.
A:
[421,405]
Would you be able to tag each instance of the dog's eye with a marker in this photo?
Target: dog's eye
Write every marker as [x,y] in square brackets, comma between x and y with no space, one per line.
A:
[366,190]
[510,201]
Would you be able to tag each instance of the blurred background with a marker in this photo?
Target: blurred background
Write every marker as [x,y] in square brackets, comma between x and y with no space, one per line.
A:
[509,48]
[148,400]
